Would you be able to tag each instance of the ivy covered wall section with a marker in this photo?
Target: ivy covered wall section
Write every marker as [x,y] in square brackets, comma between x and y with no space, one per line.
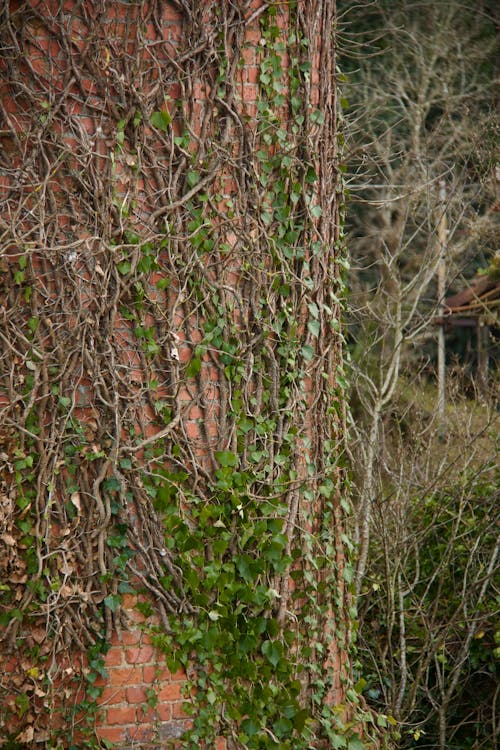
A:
[171,370]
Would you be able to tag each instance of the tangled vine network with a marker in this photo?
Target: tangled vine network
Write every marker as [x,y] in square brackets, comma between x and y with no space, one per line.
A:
[171,348]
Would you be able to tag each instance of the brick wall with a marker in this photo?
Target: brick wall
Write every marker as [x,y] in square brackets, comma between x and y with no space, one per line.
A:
[87,66]
[133,670]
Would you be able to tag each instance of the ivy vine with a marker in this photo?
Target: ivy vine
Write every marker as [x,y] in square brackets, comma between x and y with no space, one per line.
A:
[173,413]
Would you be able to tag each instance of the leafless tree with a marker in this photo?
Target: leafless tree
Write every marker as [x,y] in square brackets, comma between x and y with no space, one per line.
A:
[420,133]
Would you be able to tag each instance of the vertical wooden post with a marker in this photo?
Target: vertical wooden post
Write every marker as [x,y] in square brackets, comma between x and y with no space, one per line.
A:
[441,285]
[482,357]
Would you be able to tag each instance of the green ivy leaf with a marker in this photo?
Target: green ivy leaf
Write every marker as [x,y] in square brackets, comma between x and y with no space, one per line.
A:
[283,727]
[313,309]
[273,651]
[337,741]
[360,686]
[250,727]
[355,744]
[161,120]
[307,352]
[124,267]
[22,703]
[111,602]
[33,324]
[192,178]
[227,458]
[348,573]
[193,367]
[314,327]
[300,718]
[311,176]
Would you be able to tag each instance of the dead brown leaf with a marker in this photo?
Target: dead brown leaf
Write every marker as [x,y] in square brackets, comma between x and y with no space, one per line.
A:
[26,736]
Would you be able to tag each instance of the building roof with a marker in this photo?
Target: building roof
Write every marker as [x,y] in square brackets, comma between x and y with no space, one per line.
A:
[479,298]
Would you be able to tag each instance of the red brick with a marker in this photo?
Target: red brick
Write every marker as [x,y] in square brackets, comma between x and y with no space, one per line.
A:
[150,428]
[172,692]
[100,681]
[129,600]
[146,714]
[111,696]
[248,56]
[164,711]
[114,657]
[211,393]
[121,715]
[200,91]
[88,124]
[125,676]
[143,733]
[88,85]
[177,710]
[139,655]
[175,91]
[113,734]
[253,35]
[131,638]
[212,428]
[153,673]
[136,695]
[184,395]
[251,92]
[252,75]
[80,695]
[192,430]
[171,15]
[178,676]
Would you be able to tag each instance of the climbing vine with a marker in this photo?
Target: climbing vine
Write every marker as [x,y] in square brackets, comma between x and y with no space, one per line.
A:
[172,417]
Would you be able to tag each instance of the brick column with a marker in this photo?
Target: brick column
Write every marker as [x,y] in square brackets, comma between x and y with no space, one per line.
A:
[105,109]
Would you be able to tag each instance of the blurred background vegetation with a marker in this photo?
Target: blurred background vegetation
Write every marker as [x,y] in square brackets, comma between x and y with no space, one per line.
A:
[421,130]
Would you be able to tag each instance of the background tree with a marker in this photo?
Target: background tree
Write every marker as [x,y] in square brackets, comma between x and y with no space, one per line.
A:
[420,132]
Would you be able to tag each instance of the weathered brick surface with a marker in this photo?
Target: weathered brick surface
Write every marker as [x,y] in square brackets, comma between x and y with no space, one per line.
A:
[134,669]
